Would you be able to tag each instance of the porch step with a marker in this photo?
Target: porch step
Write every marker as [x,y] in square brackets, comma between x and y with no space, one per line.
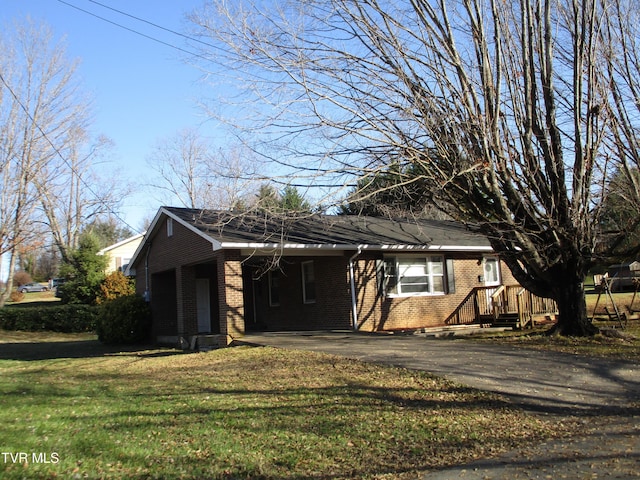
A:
[506,320]
[456,330]
[203,342]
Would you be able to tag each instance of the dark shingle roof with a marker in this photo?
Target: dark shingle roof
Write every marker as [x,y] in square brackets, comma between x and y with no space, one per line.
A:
[335,230]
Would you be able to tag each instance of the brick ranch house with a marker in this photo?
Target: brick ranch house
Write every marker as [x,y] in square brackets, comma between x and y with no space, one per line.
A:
[211,276]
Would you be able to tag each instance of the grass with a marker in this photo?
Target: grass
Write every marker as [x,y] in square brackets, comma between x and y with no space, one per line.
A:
[603,346]
[32,299]
[72,407]
[237,413]
[623,346]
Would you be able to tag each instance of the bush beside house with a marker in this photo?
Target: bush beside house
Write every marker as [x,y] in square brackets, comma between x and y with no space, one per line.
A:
[124,320]
[90,302]
[115,285]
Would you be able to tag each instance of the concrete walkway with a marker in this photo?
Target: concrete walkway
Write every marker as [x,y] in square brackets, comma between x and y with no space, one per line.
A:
[547,383]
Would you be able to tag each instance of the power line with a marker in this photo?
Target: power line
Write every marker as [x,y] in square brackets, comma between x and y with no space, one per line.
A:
[153,24]
[57,151]
[148,37]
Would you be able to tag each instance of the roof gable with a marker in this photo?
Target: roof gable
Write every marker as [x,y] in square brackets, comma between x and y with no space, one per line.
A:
[131,240]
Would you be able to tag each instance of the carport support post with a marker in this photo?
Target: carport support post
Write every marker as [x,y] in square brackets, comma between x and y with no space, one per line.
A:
[185,290]
[352,279]
[230,296]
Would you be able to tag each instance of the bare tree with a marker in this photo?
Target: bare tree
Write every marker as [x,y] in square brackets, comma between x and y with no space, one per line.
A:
[30,78]
[181,163]
[621,53]
[499,105]
[71,190]
[45,170]
[191,173]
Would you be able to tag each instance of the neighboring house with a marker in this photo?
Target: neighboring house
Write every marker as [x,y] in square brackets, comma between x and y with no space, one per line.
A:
[623,276]
[120,253]
[629,269]
[211,276]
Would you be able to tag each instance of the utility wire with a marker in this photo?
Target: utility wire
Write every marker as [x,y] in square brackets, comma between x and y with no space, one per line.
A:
[57,151]
[149,37]
[187,37]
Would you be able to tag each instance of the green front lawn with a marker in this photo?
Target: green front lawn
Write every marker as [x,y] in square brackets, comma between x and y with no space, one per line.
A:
[236,413]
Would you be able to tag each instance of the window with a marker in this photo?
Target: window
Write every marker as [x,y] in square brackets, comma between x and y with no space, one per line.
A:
[406,276]
[169,227]
[274,288]
[308,283]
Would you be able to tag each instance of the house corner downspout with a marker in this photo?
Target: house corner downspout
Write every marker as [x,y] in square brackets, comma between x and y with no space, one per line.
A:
[147,291]
[354,301]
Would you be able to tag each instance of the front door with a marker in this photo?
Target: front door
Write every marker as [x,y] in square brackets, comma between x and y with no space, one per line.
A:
[491,271]
[491,275]
[203,305]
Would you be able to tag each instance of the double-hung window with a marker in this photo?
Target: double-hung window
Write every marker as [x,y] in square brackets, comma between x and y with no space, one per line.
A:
[414,275]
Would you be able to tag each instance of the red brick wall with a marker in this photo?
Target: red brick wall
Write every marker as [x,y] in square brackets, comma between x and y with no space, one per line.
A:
[230,294]
[177,258]
[506,275]
[331,310]
[377,312]
[184,247]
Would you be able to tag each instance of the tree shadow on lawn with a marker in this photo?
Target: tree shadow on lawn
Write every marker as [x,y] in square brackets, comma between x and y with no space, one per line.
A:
[27,351]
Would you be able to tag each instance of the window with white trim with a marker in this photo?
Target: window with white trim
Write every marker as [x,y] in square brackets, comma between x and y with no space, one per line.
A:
[308,282]
[414,275]
[169,227]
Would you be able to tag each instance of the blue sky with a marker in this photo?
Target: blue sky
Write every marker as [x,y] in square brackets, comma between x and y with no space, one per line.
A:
[142,90]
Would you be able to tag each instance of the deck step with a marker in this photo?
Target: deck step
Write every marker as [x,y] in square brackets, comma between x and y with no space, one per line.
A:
[506,320]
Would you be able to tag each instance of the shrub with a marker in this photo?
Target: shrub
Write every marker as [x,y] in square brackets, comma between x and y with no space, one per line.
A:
[62,318]
[115,285]
[124,320]
[78,292]
[16,296]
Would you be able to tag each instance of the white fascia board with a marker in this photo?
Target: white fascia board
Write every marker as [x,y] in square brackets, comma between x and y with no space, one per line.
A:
[462,248]
[286,246]
[434,248]
[350,247]
[215,243]
[152,229]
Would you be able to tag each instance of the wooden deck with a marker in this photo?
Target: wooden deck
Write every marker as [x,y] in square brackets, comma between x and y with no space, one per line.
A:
[505,305]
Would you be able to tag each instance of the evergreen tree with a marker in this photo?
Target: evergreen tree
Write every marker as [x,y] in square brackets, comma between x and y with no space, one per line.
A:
[394,192]
[292,201]
[286,201]
[109,232]
[84,272]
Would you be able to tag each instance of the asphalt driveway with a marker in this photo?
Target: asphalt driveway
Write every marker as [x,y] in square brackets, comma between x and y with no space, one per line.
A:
[544,381]
[605,393]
